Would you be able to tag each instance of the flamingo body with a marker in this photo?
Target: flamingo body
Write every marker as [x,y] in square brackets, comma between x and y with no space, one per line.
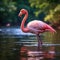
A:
[37,26]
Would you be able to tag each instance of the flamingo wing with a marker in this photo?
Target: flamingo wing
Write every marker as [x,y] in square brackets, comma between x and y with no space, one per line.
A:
[39,26]
[36,26]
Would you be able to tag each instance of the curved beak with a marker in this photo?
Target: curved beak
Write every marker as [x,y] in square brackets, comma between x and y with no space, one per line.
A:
[20,14]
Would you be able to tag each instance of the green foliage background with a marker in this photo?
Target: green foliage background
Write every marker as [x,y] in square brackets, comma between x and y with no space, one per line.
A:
[47,10]
[9,10]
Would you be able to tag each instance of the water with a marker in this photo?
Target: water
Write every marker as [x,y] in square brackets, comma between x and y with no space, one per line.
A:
[13,41]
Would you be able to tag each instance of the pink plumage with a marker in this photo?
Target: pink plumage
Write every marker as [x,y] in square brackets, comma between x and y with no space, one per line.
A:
[34,26]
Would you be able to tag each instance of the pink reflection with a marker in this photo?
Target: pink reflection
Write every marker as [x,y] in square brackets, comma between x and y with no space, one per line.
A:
[50,53]
[23,51]
[23,58]
[37,55]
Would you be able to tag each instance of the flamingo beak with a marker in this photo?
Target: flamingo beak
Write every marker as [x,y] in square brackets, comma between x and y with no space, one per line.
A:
[20,14]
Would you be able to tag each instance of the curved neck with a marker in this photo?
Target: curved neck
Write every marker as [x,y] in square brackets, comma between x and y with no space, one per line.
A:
[23,22]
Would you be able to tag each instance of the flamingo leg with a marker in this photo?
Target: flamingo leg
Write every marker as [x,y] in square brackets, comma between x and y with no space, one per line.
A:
[39,42]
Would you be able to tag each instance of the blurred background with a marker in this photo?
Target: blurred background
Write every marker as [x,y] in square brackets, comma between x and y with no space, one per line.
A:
[11,36]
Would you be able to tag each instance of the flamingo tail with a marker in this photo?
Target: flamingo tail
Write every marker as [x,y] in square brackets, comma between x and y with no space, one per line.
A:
[51,29]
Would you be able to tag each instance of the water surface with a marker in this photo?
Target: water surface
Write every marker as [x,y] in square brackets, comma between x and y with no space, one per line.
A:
[13,39]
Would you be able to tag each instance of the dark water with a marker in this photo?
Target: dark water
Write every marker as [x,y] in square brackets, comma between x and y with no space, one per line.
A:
[11,43]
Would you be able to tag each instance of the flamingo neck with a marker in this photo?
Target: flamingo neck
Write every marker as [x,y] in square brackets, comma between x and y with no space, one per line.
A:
[24,29]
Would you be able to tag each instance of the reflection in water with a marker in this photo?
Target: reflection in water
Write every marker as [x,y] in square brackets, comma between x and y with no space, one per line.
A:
[12,51]
[38,55]
[12,48]
[23,58]
[50,54]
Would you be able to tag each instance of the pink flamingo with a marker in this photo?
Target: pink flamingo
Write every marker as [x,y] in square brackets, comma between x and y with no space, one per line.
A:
[35,26]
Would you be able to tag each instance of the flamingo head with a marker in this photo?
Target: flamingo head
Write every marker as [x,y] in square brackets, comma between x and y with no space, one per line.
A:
[22,12]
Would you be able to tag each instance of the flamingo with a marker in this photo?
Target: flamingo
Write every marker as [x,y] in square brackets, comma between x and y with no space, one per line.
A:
[35,26]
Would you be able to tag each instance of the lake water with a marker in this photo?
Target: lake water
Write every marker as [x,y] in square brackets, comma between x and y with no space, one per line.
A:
[16,45]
